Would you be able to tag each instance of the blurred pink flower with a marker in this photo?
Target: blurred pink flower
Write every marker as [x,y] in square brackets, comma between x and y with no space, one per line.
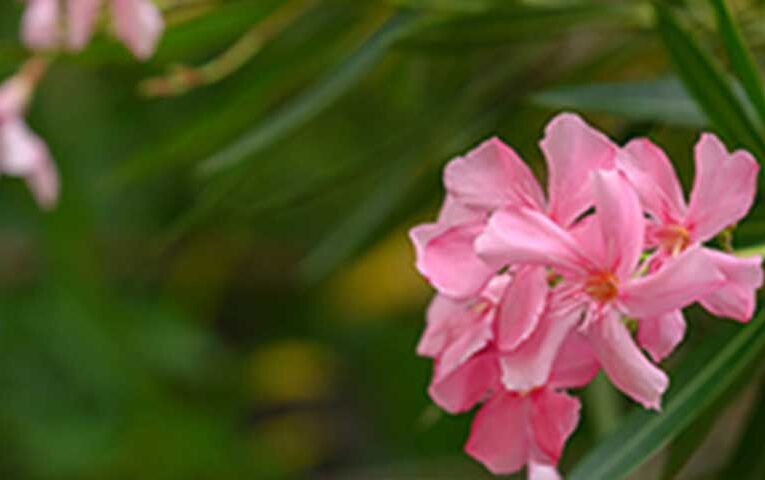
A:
[138,23]
[22,153]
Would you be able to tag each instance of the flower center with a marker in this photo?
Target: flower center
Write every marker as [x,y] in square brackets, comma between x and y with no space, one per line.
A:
[480,306]
[602,287]
[674,238]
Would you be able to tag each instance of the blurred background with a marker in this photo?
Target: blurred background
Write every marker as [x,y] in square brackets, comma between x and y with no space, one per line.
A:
[226,289]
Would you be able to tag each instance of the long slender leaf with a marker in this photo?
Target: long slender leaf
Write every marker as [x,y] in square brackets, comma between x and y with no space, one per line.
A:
[741,59]
[514,21]
[306,106]
[663,100]
[707,83]
[682,449]
[748,462]
[711,372]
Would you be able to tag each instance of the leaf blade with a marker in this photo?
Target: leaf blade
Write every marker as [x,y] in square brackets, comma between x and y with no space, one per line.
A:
[707,83]
[740,57]
[662,100]
[312,102]
[644,433]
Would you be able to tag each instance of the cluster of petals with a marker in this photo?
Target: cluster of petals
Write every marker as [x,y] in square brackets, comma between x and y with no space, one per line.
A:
[536,292]
[22,153]
[52,24]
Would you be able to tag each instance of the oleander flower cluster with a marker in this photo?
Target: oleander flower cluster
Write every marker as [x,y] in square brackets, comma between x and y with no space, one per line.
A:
[48,26]
[53,24]
[539,291]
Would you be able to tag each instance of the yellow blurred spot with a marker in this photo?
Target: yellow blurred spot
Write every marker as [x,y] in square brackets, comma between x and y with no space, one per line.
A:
[292,371]
[383,281]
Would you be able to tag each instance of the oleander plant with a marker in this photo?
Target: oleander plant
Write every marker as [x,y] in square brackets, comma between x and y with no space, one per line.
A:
[389,239]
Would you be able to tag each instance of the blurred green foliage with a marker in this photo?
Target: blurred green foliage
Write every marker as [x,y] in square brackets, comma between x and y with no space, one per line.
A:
[225,290]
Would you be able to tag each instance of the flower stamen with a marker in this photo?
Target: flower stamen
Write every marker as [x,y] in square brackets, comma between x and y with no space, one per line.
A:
[602,287]
[674,239]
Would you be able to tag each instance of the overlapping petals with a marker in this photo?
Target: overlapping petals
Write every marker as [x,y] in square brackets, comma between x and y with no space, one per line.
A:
[50,24]
[538,293]
[723,192]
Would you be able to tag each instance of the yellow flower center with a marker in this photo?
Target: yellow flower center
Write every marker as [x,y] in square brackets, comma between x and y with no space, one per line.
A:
[602,287]
[481,306]
[674,238]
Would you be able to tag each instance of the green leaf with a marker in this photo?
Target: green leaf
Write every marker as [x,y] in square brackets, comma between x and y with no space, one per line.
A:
[664,100]
[312,102]
[707,83]
[741,59]
[703,378]
[513,21]
[681,450]
[748,463]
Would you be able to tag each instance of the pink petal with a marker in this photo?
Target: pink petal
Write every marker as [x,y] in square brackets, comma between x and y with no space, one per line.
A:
[576,364]
[449,261]
[589,239]
[678,283]
[651,173]
[529,366]
[492,176]
[660,335]
[621,222]
[454,212]
[81,21]
[736,298]
[541,471]
[573,149]
[495,290]
[723,190]
[467,385]
[499,437]
[24,154]
[139,24]
[554,417]
[444,314]
[629,370]
[420,236]
[524,236]
[43,181]
[471,339]
[521,307]
[39,25]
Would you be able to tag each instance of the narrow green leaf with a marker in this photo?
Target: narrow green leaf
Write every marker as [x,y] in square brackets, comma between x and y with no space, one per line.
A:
[312,102]
[458,6]
[711,371]
[741,59]
[514,21]
[707,83]
[748,463]
[681,450]
[663,100]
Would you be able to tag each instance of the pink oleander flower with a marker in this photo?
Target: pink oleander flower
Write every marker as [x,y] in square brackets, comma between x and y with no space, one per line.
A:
[22,153]
[535,294]
[49,24]
[514,429]
[599,261]
[723,193]
[491,177]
